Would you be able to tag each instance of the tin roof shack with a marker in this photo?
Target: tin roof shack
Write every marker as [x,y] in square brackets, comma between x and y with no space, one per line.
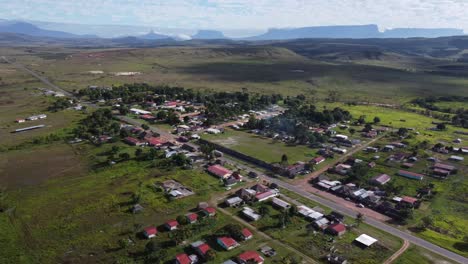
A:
[365,240]
[293,170]
[280,204]
[337,229]
[380,179]
[408,201]
[410,175]
[443,170]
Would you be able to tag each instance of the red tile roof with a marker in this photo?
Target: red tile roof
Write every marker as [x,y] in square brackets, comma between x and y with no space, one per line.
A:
[203,248]
[408,199]
[131,140]
[318,159]
[338,228]
[251,255]
[219,171]
[264,195]
[151,230]
[246,233]
[228,242]
[192,217]
[155,141]
[183,259]
[172,223]
[210,210]
[147,117]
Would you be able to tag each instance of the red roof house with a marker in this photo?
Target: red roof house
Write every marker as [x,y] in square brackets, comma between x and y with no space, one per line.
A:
[171,224]
[192,218]
[246,234]
[132,141]
[219,171]
[336,229]
[183,259]
[249,257]
[202,249]
[227,243]
[409,200]
[147,117]
[318,160]
[150,232]
[209,211]
[153,141]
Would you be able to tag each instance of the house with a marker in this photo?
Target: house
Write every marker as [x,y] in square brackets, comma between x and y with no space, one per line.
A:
[408,200]
[155,142]
[444,167]
[209,211]
[227,243]
[314,216]
[341,137]
[318,160]
[410,175]
[278,203]
[137,111]
[371,164]
[365,240]
[147,117]
[339,150]
[407,165]
[229,262]
[456,158]
[234,201]
[250,257]
[442,173]
[388,148]
[219,171]
[171,225]
[183,259]
[246,234]
[268,251]
[293,170]
[192,217]
[20,120]
[250,214]
[246,194]
[260,197]
[336,259]
[213,131]
[150,232]
[133,141]
[372,149]
[321,223]
[200,247]
[337,229]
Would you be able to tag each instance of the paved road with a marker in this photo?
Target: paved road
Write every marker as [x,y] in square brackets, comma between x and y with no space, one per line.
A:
[352,213]
[37,76]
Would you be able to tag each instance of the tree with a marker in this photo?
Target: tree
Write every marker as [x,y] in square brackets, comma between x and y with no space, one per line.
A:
[362,119]
[123,243]
[293,210]
[138,152]
[284,159]
[207,150]
[402,132]
[264,210]
[441,126]
[210,255]
[352,131]
[145,126]
[285,219]
[359,219]
[114,150]
[182,219]
[161,115]
[124,156]
[151,247]
[426,221]
[376,120]
[234,230]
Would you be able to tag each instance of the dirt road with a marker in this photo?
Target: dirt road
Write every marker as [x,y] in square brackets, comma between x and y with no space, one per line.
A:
[397,254]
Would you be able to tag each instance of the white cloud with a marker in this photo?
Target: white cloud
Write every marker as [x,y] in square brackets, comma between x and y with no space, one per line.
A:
[244,13]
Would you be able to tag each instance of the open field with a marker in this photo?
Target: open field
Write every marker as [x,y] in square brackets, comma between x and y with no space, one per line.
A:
[261,69]
[262,148]
[420,255]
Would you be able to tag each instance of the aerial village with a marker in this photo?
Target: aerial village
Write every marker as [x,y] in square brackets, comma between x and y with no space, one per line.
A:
[351,162]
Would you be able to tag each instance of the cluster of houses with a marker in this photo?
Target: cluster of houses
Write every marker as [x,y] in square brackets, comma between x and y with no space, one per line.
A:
[375,198]
[31,118]
[229,177]
[175,190]
[256,193]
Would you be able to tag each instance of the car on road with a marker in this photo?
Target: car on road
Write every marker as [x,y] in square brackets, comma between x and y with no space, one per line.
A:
[360,205]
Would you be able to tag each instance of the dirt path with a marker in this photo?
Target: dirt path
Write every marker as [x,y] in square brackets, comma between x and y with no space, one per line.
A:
[397,254]
[306,259]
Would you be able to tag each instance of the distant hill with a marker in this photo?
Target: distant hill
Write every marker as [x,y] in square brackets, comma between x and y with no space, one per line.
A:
[153,36]
[355,32]
[32,30]
[209,34]
[422,32]
[364,31]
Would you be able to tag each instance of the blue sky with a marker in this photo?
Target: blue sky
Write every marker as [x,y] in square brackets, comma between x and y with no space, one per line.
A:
[258,14]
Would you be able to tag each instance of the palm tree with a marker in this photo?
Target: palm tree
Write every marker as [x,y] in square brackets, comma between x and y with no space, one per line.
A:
[359,219]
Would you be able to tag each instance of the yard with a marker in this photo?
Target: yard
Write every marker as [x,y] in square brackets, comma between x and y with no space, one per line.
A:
[262,148]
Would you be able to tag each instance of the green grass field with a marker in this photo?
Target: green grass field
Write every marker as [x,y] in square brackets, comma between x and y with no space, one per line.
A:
[415,254]
[262,148]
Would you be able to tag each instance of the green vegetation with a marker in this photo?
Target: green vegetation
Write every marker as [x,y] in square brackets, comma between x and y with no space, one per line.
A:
[415,254]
